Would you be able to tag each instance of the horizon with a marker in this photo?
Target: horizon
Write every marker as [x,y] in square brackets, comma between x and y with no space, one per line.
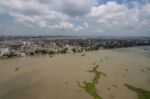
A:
[70,36]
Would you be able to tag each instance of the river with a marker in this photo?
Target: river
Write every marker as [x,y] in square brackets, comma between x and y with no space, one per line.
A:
[44,77]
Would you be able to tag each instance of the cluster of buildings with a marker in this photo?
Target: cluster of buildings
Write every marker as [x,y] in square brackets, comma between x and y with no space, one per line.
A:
[22,46]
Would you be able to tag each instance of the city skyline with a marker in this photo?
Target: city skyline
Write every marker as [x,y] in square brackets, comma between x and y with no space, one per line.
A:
[75,17]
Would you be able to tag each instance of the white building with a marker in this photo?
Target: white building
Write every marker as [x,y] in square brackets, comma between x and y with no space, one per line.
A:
[4,51]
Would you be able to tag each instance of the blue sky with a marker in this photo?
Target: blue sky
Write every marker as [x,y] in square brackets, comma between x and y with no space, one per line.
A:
[75,17]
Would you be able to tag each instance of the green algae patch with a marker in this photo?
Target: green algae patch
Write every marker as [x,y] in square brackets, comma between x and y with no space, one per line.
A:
[108,88]
[148,69]
[115,86]
[148,80]
[90,87]
[142,94]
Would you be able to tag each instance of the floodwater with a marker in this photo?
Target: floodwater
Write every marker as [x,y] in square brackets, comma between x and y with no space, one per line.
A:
[44,77]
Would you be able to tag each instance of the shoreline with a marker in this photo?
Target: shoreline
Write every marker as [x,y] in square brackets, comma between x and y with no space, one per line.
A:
[82,52]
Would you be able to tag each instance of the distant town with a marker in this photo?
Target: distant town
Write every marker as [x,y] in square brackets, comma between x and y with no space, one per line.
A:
[21,46]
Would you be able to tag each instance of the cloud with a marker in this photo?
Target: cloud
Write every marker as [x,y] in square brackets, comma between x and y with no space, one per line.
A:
[71,8]
[40,11]
[86,25]
[117,19]
[62,25]
[77,7]
[76,16]
[31,12]
[30,19]
[68,7]
[110,7]
[66,25]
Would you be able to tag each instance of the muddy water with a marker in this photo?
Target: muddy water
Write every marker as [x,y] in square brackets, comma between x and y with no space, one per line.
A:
[44,77]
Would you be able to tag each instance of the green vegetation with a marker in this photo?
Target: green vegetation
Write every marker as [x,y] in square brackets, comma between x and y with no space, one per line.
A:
[115,86]
[90,87]
[101,60]
[149,80]
[142,70]
[108,88]
[16,69]
[112,96]
[148,69]
[142,94]
[66,83]
[94,63]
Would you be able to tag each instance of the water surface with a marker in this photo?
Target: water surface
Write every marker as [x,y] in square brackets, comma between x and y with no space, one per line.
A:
[44,77]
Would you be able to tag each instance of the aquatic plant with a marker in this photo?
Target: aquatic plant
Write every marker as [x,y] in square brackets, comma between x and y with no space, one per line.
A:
[148,69]
[108,88]
[16,69]
[142,94]
[90,87]
[115,86]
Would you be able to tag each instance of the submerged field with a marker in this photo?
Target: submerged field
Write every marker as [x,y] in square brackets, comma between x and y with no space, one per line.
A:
[105,74]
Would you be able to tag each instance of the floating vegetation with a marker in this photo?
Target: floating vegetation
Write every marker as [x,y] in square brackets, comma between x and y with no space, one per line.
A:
[126,70]
[139,65]
[135,69]
[112,96]
[142,94]
[51,55]
[149,80]
[106,58]
[101,60]
[78,90]
[116,72]
[115,86]
[16,69]
[108,88]
[124,75]
[142,70]
[82,54]
[94,63]
[90,87]
[66,83]
[148,69]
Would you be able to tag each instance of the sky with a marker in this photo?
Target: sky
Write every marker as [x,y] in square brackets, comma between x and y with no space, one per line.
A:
[75,17]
